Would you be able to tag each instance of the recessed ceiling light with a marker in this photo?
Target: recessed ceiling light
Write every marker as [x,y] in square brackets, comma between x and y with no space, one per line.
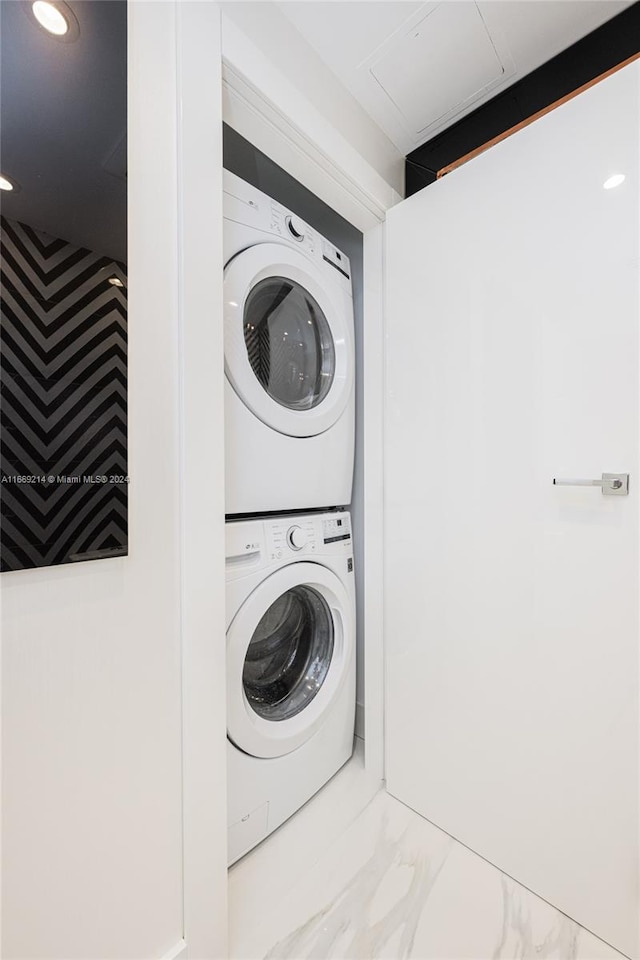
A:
[116,282]
[8,183]
[50,17]
[56,17]
[614,181]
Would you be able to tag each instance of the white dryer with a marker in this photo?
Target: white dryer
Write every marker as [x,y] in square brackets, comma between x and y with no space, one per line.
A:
[291,681]
[289,359]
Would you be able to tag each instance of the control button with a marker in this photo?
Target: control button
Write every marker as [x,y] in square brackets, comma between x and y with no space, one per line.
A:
[296,228]
[296,538]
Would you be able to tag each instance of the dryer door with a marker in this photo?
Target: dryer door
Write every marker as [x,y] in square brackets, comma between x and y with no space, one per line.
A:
[288,653]
[288,340]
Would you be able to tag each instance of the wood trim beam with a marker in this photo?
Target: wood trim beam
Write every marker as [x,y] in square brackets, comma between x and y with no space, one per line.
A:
[535,116]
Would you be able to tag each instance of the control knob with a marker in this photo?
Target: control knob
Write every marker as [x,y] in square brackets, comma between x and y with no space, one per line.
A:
[296,538]
[296,228]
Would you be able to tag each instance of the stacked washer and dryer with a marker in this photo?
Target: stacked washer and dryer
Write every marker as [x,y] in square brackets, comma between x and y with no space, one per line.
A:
[289,448]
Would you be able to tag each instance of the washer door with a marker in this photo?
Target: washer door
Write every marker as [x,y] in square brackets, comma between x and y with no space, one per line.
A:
[288,653]
[288,347]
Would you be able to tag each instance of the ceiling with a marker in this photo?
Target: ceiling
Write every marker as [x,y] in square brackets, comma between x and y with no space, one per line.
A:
[416,68]
[63,114]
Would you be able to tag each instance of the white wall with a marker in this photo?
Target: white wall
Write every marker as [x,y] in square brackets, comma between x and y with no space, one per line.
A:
[92,660]
[274,83]
[275,35]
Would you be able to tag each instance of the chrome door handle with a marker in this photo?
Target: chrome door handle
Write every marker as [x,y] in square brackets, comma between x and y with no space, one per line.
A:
[612,484]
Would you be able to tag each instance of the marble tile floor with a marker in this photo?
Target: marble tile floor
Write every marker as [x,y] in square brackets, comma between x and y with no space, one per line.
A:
[342,883]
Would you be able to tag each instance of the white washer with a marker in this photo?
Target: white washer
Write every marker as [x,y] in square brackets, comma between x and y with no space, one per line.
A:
[291,682]
[289,359]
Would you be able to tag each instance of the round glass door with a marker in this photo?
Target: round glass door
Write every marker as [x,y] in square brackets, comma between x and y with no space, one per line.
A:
[288,339]
[289,343]
[289,655]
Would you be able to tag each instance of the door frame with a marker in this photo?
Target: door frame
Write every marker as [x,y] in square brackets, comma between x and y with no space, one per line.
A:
[266,108]
[359,194]
[199,266]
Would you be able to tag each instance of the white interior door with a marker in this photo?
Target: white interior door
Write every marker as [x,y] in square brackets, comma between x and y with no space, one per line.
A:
[512,604]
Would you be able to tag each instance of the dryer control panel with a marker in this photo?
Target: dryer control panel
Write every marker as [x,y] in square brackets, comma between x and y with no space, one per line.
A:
[246,204]
[287,225]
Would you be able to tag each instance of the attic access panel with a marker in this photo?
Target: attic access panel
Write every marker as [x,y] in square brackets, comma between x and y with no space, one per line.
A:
[439,66]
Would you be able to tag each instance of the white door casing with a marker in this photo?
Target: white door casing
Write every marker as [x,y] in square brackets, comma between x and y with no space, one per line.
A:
[281,121]
[511,604]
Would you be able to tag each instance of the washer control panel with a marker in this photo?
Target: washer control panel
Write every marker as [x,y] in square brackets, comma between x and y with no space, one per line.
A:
[336,529]
[297,537]
[292,537]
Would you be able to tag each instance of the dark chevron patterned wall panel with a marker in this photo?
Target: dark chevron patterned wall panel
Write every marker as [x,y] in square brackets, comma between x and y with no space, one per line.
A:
[63,402]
